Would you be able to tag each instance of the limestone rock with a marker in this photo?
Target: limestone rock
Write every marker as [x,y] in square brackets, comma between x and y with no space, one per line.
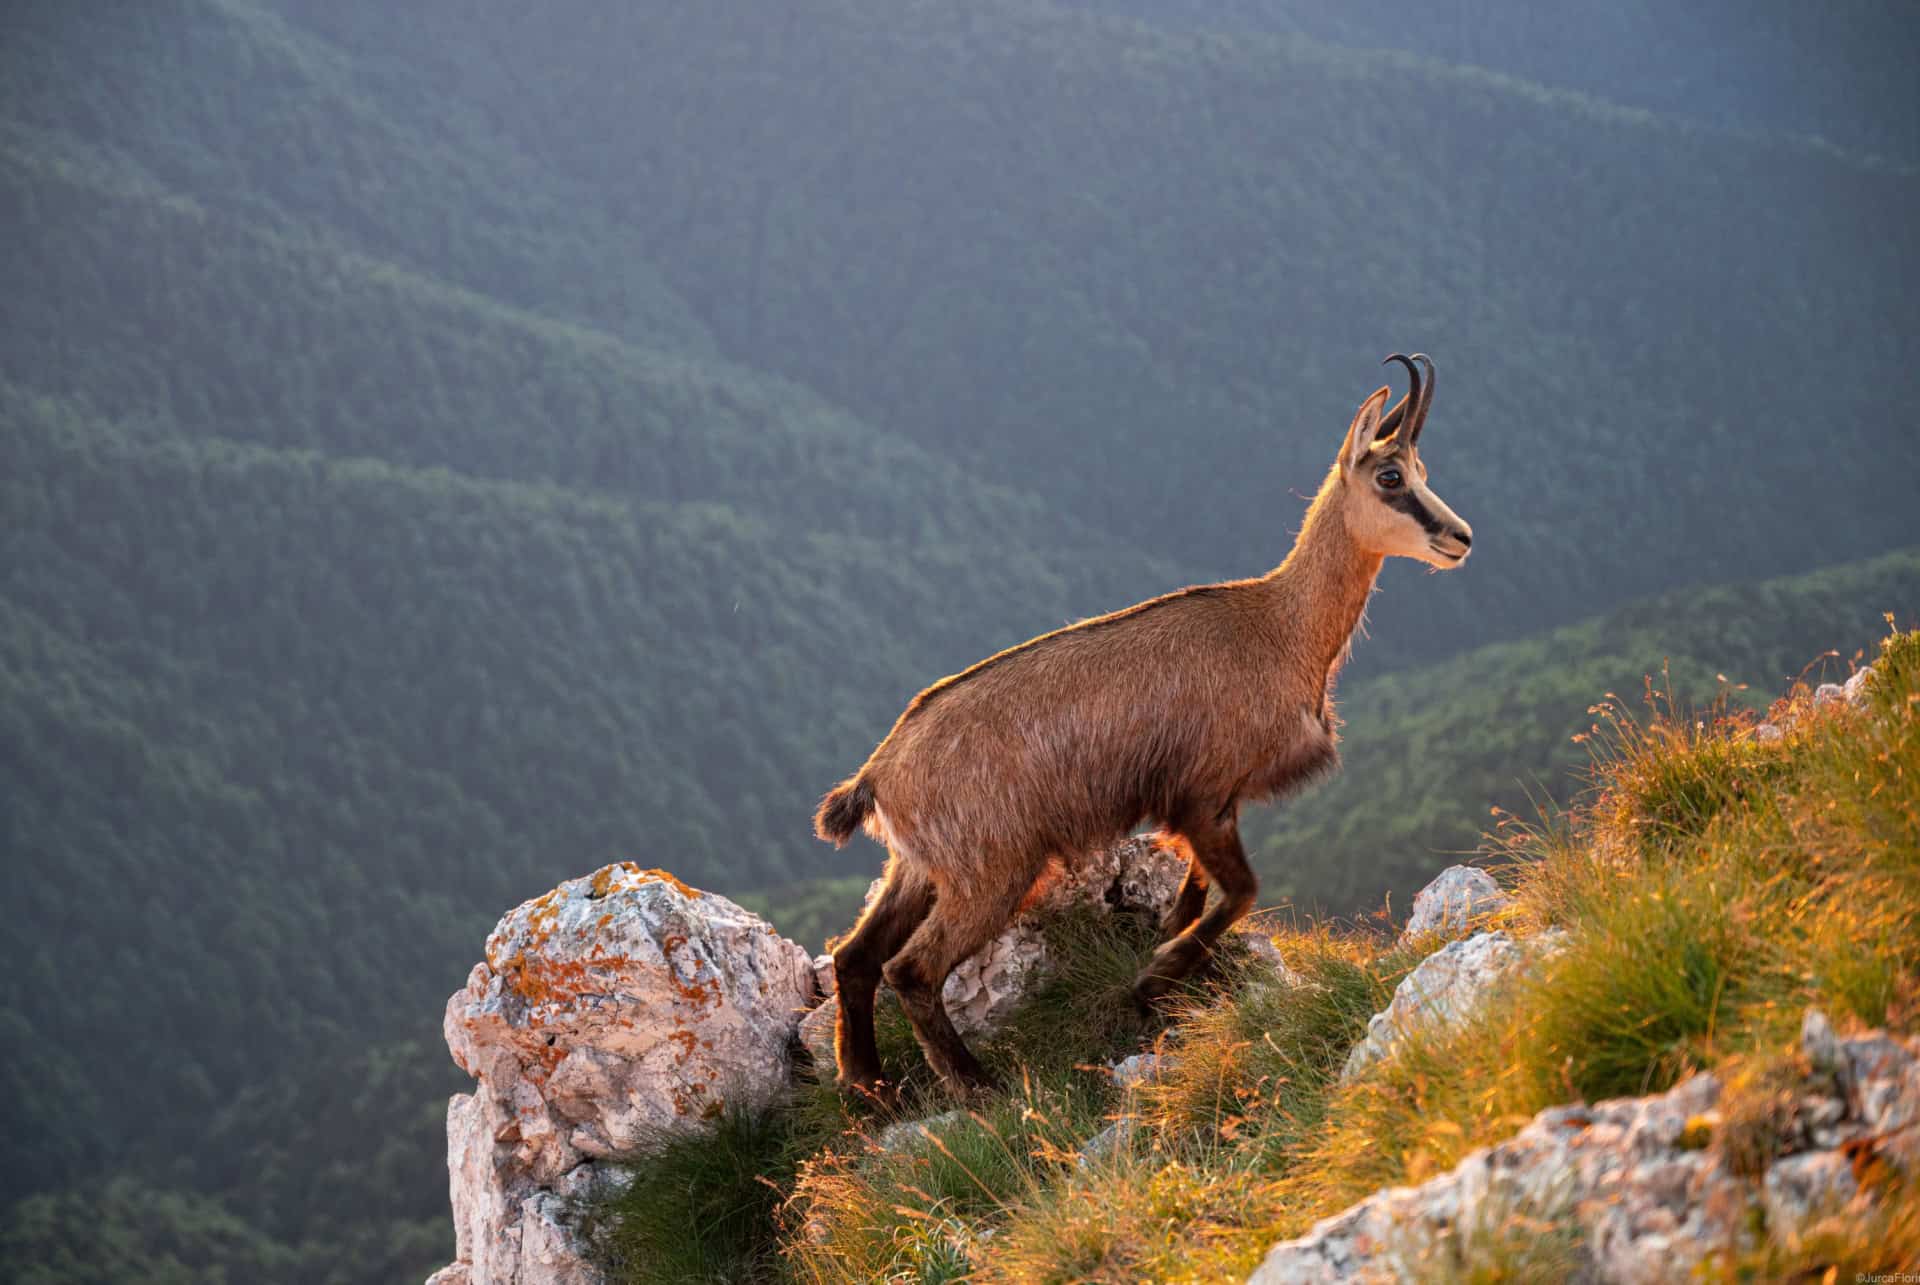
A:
[1649,1202]
[1446,986]
[816,1032]
[613,1007]
[1855,688]
[1140,874]
[1853,692]
[1141,1068]
[1259,946]
[1457,897]
[1129,1073]
[1117,1134]
[905,1133]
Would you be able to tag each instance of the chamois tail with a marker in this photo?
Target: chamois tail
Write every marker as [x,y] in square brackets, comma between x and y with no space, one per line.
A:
[841,812]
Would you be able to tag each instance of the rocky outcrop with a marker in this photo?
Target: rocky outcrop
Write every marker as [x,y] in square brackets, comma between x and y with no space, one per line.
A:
[1458,897]
[1653,1186]
[1852,693]
[1453,981]
[613,1007]
[625,1003]
[1447,986]
[1141,874]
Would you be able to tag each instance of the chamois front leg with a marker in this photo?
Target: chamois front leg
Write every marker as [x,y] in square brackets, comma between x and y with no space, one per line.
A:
[1189,901]
[1216,848]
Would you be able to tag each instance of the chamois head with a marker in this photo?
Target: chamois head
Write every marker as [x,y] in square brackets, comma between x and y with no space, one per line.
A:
[1388,507]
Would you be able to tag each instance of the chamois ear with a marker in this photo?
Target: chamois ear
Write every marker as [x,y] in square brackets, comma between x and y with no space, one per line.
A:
[1364,429]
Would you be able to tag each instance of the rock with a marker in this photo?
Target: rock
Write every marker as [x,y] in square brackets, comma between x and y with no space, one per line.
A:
[905,1133]
[1853,692]
[983,990]
[1140,874]
[1819,1044]
[816,1033]
[1457,897]
[1648,1202]
[1104,1143]
[1146,875]
[1799,1191]
[1129,1073]
[1446,986]
[610,1009]
[1260,948]
[1142,1068]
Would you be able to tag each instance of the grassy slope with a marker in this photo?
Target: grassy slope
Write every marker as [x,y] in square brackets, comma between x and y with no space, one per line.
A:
[1430,753]
[1711,889]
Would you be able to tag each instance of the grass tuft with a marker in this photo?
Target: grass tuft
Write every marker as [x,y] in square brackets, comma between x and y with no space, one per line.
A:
[701,1206]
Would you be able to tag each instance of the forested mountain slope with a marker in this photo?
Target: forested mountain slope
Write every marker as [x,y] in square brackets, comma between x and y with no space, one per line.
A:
[1840,72]
[1154,268]
[222,102]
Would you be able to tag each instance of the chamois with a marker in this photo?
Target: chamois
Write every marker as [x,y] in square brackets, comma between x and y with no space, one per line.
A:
[1176,710]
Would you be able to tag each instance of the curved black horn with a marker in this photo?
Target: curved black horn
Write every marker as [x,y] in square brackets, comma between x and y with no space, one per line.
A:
[1391,421]
[1426,399]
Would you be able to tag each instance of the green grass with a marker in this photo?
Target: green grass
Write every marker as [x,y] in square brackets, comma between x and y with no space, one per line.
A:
[1707,889]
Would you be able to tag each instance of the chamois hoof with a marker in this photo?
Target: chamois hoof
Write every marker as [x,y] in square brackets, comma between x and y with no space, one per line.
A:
[1172,964]
[974,1089]
[1147,994]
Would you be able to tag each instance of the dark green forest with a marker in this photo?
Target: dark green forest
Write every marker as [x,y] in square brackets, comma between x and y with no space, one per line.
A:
[446,448]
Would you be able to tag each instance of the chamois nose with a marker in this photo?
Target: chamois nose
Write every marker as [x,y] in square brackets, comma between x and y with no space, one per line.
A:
[1464,536]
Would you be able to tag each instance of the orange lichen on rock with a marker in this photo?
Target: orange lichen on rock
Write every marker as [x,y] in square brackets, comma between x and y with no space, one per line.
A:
[667,877]
[539,980]
[685,1102]
[600,883]
[541,917]
[700,992]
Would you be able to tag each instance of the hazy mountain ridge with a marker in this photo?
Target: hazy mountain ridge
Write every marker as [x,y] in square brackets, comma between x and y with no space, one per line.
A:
[224,102]
[1023,233]
[1743,66]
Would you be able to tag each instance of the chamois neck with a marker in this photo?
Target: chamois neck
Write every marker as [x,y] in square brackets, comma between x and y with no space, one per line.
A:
[1326,578]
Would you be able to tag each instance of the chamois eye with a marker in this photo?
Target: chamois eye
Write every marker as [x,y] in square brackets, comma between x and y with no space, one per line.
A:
[1388,478]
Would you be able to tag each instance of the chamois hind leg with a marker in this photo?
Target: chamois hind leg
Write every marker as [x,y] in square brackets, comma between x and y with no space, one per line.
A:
[1192,897]
[858,957]
[1216,847]
[964,919]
